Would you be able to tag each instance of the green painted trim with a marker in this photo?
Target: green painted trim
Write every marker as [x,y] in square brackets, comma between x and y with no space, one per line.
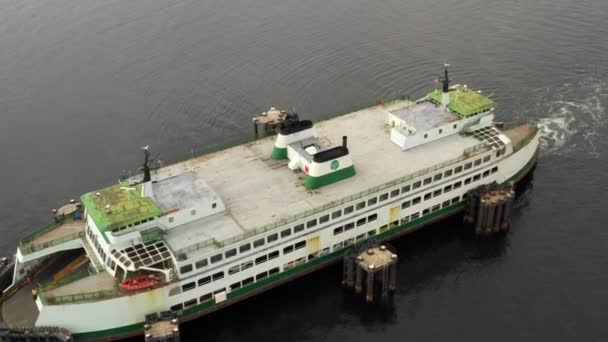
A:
[90,336]
[279,153]
[317,182]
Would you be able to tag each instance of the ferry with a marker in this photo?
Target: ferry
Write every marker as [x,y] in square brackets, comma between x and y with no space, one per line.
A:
[200,235]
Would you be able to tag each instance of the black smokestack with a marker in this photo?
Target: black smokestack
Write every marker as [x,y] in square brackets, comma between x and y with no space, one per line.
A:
[344,141]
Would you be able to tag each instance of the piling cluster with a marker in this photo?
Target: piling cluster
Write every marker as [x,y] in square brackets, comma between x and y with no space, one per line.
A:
[162,327]
[489,208]
[38,334]
[374,266]
[268,123]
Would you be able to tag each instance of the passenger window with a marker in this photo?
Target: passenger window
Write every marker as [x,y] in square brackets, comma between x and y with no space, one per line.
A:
[230,253]
[273,237]
[258,243]
[245,248]
[216,258]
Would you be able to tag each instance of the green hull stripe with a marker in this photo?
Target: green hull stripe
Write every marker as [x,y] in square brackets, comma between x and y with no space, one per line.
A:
[279,153]
[391,232]
[317,182]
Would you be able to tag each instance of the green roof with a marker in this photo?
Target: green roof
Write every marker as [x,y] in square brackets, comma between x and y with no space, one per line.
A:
[464,102]
[127,206]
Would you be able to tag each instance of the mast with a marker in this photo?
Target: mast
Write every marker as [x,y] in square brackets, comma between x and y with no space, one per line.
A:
[445,97]
[146,166]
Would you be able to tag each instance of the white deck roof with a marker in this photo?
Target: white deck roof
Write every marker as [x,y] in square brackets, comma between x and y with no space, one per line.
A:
[425,116]
[258,190]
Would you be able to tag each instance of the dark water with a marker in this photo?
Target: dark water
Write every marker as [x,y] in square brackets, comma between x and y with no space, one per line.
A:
[84,84]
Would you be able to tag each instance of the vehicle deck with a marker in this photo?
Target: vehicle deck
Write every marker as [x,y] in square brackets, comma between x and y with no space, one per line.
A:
[102,281]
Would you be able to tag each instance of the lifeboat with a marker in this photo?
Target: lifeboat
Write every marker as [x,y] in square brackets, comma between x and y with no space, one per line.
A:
[139,283]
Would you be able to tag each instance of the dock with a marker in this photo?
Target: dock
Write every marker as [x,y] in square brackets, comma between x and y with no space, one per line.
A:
[39,334]
[372,265]
[163,327]
[489,207]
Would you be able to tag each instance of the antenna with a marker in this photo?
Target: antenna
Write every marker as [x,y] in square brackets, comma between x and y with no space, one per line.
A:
[147,162]
[446,78]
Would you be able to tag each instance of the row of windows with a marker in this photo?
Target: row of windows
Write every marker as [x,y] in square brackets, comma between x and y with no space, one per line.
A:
[448,188]
[335,215]
[234,286]
[258,277]
[243,266]
[133,224]
[97,245]
[359,222]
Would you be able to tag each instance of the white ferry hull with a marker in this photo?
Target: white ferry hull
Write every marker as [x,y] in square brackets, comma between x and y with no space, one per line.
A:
[122,317]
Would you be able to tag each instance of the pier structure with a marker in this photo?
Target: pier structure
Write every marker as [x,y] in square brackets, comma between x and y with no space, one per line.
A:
[270,122]
[162,328]
[38,334]
[489,209]
[370,266]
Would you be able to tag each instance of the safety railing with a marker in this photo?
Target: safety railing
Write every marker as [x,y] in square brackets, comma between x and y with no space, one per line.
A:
[466,154]
[81,297]
[28,248]
[47,228]
[527,139]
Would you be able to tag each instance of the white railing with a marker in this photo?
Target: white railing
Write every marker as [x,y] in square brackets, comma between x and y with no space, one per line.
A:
[466,154]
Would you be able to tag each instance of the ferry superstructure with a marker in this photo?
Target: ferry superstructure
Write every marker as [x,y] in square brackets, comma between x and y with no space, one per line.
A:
[222,227]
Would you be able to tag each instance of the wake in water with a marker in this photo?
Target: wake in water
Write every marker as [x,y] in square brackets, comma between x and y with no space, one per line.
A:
[574,117]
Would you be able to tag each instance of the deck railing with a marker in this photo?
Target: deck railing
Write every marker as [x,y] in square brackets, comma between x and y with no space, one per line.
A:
[47,228]
[81,297]
[527,139]
[466,154]
[28,248]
